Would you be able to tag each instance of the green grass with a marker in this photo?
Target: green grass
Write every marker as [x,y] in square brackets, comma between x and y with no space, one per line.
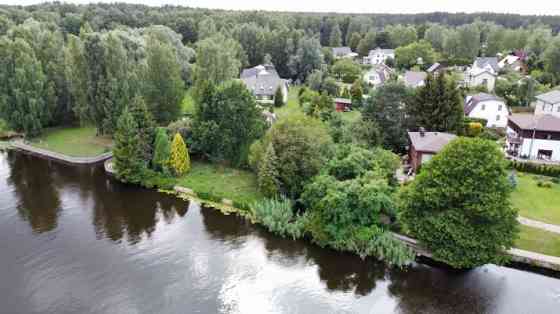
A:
[292,106]
[222,181]
[536,202]
[187,105]
[77,142]
[540,241]
[351,116]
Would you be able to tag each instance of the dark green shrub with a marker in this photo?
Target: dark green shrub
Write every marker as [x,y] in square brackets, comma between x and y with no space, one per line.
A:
[241,205]
[534,168]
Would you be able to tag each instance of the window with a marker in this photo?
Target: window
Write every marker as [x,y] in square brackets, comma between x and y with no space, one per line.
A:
[500,108]
[558,109]
[483,107]
[548,136]
[498,118]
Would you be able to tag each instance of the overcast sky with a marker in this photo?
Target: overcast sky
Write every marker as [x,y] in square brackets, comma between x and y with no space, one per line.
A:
[549,7]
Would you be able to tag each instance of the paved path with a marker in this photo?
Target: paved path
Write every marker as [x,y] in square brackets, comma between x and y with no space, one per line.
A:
[20,145]
[539,225]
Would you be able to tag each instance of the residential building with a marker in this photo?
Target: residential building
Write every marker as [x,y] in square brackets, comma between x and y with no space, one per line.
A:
[378,56]
[263,81]
[483,72]
[489,107]
[424,145]
[512,63]
[535,137]
[548,103]
[343,52]
[436,68]
[414,79]
[378,75]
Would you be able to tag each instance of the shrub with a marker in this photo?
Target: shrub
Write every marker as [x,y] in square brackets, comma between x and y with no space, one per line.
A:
[534,168]
[278,217]
[242,205]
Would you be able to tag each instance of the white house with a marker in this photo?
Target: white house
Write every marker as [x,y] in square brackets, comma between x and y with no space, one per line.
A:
[263,81]
[535,137]
[378,75]
[379,56]
[343,52]
[489,107]
[414,79]
[511,62]
[483,72]
[548,103]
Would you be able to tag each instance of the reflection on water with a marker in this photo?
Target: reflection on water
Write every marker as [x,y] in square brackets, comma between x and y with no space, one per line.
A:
[76,241]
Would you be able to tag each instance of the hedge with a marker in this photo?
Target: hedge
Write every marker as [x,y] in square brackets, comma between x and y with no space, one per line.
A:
[535,168]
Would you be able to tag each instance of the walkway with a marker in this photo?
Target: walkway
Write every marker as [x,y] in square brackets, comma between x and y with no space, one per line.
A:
[20,145]
[539,225]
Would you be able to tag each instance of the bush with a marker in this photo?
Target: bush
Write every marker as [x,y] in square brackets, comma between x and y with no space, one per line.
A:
[242,206]
[534,168]
[278,217]
[153,179]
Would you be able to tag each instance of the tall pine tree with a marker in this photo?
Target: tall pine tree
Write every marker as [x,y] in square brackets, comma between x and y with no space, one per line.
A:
[179,160]
[162,151]
[127,152]
[268,173]
[437,106]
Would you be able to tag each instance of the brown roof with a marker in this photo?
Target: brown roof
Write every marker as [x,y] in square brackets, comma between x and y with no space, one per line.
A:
[546,122]
[430,142]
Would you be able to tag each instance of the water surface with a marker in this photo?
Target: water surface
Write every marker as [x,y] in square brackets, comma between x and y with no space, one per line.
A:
[73,240]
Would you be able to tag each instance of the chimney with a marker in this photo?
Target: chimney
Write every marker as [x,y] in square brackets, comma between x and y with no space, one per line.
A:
[422,132]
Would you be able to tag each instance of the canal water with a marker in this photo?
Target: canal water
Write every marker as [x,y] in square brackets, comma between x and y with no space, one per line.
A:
[73,240]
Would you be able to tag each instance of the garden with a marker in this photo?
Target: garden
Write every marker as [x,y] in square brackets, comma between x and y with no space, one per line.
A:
[73,141]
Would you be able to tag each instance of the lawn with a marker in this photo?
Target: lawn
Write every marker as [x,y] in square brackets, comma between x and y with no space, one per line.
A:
[222,181]
[76,142]
[540,241]
[534,202]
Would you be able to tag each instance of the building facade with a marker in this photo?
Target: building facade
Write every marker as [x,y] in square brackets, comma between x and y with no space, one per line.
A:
[491,108]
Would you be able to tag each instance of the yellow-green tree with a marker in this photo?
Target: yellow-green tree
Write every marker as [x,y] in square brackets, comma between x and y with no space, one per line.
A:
[179,161]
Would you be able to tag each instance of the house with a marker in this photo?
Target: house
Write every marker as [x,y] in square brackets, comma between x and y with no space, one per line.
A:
[414,79]
[263,81]
[489,107]
[483,72]
[378,75]
[343,52]
[513,63]
[378,56]
[548,103]
[534,136]
[343,104]
[436,68]
[424,145]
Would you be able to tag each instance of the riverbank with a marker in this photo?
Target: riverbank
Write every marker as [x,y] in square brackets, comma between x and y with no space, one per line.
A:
[43,153]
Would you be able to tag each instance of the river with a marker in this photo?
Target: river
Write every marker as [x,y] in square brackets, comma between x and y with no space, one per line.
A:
[73,240]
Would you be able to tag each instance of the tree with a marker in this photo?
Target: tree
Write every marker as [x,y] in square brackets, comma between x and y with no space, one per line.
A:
[538,40]
[164,87]
[127,151]
[308,57]
[407,56]
[179,160]
[217,59]
[226,122]
[321,106]
[76,74]
[162,151]
[146,125]
[551,57]
[354,41]
[459,205]
[346,70]
[357,93]
[278,97]
[387,109]
[252,39]
[401,35]
[268,173]
[335,38]
[435,35]
[366,44]
[302,145]
[437,105]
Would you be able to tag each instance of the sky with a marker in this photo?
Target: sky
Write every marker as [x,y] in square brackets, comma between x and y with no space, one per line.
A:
[542,7]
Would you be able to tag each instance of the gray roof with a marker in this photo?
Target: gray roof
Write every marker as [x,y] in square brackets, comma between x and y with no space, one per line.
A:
[552,97]
[436,66]
[343,101]
[384,51]
[259,68]
[430,142]
[412,78]
[478,98]
[481,62]
[341,51]
[546,122]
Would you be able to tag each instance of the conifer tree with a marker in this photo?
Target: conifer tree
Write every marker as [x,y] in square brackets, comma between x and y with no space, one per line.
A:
[127,153]
[278,98]
[146,125]
[268,173]
[357,93]
[162,151]
[179,160]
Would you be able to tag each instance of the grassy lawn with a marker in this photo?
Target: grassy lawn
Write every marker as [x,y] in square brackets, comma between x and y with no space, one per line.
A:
[292,106]
[536,202]
[77,142]
[222,181]
[351,116]
[540,241]
[187,106]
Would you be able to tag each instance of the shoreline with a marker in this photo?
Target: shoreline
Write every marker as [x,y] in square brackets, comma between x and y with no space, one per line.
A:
[21,146]
[520,259]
